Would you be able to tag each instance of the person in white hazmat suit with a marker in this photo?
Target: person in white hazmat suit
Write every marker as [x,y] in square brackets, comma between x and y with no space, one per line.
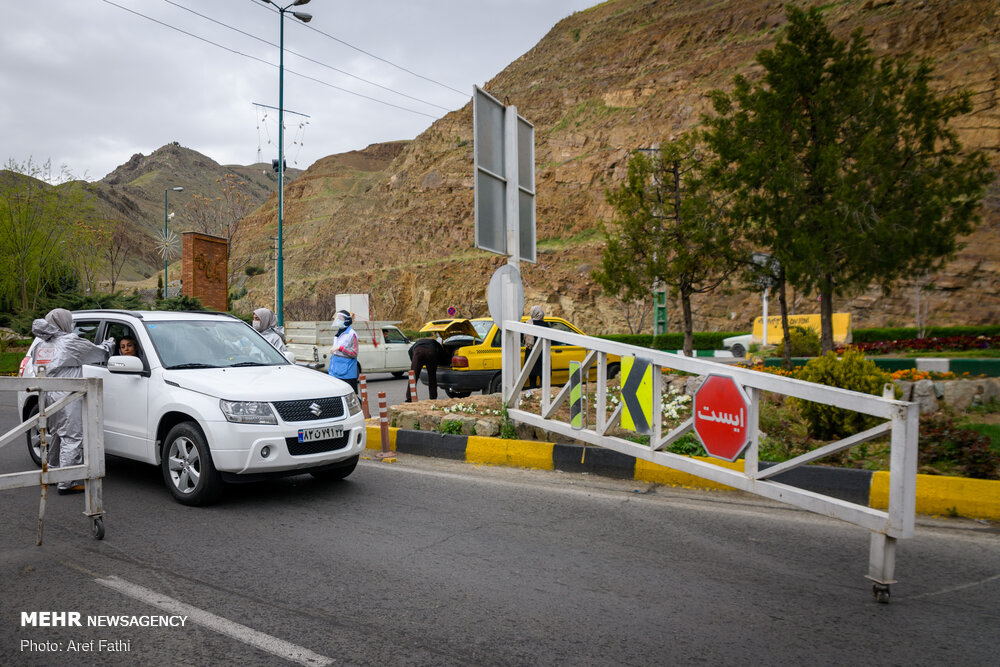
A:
[266,323]
[66,353]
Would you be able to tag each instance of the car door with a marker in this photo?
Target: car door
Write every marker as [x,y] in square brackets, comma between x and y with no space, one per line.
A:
[126,397]
[371,352]
[397,347]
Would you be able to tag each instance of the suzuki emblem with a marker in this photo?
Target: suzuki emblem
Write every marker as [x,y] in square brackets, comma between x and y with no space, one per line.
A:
[315,409]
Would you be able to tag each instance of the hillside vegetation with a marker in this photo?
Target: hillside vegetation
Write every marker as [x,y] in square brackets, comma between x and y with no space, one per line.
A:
[622,75]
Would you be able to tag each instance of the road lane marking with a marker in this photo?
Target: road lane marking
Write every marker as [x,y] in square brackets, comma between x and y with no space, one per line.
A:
[224,626]
[954,589]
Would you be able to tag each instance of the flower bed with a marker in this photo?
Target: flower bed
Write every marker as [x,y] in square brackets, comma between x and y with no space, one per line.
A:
[935,344]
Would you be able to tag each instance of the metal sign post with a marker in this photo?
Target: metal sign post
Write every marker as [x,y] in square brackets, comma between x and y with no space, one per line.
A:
[504,159]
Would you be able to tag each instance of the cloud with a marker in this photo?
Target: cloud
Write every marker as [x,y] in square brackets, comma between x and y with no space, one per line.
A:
[88,84]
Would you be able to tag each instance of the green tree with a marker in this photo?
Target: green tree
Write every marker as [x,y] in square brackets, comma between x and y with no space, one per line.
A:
[223,216]
[670,230]
[37,230]
[845,163]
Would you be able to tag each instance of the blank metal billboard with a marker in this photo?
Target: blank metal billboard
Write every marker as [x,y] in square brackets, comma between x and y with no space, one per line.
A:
[492,154]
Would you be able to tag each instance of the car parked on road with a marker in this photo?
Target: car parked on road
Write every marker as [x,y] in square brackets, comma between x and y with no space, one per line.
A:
[382,346]
[210,401]
[475,361]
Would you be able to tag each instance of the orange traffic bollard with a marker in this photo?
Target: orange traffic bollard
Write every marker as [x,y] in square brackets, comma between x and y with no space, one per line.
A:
[413,386]
[363,390]
[383,424]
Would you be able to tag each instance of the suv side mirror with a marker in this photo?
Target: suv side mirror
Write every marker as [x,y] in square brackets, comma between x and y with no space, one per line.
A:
[125,364]
[290,356]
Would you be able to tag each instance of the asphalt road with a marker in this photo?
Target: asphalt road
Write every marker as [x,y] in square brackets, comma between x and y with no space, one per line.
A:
[395,390]
[433,562]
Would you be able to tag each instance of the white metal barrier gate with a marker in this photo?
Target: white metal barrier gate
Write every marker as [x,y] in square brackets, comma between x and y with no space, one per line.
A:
[89,391]
[886,526]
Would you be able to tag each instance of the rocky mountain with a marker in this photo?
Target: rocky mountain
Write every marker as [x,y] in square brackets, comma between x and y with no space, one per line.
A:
[134,193]
[622,75]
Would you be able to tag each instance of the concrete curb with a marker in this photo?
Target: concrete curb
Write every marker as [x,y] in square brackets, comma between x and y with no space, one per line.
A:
[973,498]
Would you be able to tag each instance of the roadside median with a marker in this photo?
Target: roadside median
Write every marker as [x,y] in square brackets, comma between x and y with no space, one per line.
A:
[936,495]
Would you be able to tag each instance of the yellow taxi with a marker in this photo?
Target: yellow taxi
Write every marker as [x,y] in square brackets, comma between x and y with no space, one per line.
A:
[475,349]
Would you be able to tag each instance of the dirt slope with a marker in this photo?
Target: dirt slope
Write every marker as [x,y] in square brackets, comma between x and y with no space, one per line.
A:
[619,76]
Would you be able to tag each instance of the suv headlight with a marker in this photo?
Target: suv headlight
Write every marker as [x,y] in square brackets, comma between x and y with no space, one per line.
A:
[248,412]
[353,404]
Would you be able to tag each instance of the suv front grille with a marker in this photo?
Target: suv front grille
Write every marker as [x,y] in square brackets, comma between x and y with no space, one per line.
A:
[296,448]
[301,411]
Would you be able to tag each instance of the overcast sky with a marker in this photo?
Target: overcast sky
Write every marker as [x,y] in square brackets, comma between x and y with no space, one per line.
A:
[89,83]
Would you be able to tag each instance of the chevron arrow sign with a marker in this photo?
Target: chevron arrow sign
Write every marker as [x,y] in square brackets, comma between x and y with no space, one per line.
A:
[637,394]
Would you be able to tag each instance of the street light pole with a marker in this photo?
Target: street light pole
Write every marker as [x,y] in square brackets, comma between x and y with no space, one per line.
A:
[166,239]
[279,295]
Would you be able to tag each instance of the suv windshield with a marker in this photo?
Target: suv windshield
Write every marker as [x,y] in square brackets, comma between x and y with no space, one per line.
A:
[210,344]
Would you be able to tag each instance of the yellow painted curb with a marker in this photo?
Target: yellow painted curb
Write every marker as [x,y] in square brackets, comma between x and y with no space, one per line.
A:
[516,453]
[652,472]
[973,498]
[374,440]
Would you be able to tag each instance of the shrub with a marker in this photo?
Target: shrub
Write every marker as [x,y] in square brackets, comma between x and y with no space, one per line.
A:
[805,343]
[902,333]
[507,430]
[254,271]
[451,426]
[180,302]
[688,445]
[968,452]
[853,372]
[703,340]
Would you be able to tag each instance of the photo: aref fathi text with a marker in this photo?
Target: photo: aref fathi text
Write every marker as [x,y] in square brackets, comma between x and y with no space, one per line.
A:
[70,646]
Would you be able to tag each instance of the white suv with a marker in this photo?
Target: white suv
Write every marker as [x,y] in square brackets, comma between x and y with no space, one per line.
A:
[210,401]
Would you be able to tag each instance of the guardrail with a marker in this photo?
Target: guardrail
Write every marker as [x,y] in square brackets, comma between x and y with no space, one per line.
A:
[886,527]
[89,391]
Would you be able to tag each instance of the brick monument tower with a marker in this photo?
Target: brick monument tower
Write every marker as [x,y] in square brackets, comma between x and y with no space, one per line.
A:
[205,269]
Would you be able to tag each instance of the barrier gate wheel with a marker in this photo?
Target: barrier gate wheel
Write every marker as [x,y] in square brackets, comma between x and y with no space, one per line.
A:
[97,527]
[881,592]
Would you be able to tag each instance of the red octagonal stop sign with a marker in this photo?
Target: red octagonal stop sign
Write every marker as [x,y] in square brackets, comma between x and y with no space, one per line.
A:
[720,417]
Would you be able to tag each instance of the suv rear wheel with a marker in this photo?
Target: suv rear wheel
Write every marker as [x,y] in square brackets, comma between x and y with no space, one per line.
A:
[187,466]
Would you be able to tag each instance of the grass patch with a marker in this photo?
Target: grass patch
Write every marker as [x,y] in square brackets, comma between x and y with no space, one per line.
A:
[988,353]
[10,361]
[560,242]
[991,431]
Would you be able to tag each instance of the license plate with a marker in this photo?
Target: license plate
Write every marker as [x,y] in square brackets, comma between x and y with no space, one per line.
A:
[325,433]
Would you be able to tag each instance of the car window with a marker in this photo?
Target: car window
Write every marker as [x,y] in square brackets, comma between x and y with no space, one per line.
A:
[394,335]
[184,344]
[559,326]
[119,330]
[482,328]
[87,329]
[497,338]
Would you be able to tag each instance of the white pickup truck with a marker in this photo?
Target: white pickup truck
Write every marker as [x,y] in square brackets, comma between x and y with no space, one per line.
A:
[382,347]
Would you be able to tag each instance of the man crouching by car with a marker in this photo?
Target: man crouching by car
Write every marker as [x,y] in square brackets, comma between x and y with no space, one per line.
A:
[426,353]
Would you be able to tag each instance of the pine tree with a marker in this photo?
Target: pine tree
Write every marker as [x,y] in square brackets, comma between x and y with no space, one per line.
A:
[845,163]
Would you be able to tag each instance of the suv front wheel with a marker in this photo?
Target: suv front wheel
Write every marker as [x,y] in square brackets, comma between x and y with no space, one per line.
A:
[34,439]
[187,466]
